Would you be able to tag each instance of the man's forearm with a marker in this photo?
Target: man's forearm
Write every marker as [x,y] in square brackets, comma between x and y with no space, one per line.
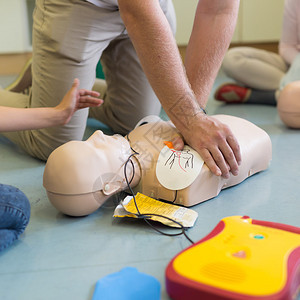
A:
[161,61]
[158,52]
[211,35]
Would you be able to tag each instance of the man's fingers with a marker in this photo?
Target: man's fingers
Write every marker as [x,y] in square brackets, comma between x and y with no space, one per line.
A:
[210,162]
[229,159]
[234,145]
[231,156]
[228,156]
[220,162]
[220,159]
[178,143]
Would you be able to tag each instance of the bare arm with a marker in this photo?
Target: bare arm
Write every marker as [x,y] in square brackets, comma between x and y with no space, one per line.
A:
[13,119]
[213,27]
[159,56]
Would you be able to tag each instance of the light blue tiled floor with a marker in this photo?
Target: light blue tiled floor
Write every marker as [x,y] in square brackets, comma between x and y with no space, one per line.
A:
[59,257]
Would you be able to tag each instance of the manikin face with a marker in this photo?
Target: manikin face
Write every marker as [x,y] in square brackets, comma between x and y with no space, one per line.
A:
[86,166]
[86,172]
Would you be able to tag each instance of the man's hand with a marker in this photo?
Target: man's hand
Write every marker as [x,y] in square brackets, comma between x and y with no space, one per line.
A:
[215,142]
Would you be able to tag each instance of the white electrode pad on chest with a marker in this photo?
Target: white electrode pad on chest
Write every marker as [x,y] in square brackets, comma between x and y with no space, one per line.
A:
[176,170]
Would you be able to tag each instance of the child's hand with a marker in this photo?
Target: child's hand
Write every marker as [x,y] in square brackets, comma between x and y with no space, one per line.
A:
[76,99]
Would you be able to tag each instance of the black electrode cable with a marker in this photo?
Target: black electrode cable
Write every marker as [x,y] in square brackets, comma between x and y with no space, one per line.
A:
[145,217]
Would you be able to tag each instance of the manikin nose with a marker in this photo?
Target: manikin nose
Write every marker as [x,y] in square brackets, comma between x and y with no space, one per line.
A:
[97,139]
[99,134]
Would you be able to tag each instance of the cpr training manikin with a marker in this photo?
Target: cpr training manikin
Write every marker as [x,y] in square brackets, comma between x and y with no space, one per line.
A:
[81,175]
[288,105]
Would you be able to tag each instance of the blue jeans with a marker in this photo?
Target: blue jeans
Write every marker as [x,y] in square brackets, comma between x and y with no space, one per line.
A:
[14,214]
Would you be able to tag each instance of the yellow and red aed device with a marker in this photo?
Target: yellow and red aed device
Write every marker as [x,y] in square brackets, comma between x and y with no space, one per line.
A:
[241,258]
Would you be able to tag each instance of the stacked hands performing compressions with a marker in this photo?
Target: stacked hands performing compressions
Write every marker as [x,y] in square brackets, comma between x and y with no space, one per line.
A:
[216,144]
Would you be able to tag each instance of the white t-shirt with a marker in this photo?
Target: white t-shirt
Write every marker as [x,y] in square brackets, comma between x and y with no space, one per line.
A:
[109,4]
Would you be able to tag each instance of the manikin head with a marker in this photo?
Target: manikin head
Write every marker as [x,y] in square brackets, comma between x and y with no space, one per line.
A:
[289,104]
[81,175]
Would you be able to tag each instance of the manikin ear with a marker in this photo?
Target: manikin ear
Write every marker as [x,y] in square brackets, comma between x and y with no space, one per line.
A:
[109,188]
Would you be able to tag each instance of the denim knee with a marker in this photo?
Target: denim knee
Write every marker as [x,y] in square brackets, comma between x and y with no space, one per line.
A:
[14,214]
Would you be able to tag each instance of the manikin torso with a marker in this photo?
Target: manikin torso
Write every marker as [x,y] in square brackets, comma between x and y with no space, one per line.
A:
[256,151]
[80,176]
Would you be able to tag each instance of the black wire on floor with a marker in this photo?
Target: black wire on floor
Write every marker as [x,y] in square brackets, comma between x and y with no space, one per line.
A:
[146,217]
